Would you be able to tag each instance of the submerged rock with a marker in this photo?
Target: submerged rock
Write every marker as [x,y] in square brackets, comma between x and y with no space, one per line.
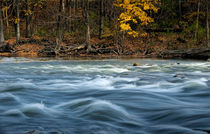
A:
[178,76]
[136,64]
[32,132]
[208,59]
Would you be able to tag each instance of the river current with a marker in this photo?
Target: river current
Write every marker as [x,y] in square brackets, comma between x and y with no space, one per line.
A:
[55,96]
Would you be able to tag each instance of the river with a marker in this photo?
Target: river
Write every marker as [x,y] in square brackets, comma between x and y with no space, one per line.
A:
[55,96]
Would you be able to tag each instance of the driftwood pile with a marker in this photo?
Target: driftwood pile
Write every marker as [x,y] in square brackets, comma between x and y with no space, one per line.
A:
[48,48]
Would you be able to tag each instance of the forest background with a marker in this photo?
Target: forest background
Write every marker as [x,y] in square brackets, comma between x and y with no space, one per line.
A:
[104,27]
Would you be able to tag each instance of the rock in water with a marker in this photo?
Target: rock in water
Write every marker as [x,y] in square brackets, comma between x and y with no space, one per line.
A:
[31,132]
[208,60]
[136,64]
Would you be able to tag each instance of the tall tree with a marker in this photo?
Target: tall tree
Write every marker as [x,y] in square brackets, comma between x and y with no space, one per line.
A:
[18,20]
[197,20]
[5,14]
[101,19]
[87,24]
[207,23]
[69,15]
[59,31]
[180,9]
[28,19]
[76,6]
[1,28]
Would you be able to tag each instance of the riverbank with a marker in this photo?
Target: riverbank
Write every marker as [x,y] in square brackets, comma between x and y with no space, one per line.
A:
[162,46]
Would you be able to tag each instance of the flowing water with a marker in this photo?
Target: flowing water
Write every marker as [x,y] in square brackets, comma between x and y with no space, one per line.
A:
[104,96]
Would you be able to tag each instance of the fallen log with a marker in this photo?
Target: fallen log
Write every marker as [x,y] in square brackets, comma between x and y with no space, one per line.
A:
[202,53]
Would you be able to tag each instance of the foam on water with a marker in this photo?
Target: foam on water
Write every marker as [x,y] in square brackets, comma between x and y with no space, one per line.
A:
[14,60]
[86,68]
[164,86]
[56,85]
[197,66]
[106,82]
[99,69]
[98,82]
[115,83]
[8,60]
[196,83]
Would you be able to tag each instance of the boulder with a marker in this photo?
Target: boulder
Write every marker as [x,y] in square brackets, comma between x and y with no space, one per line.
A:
[136,64]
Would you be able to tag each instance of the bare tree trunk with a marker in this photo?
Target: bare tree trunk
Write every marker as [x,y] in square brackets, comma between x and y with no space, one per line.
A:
[197,20]
[6,16]
[180,9]
[59,31]
[1,28]
[207,23]
[101,20]
[7,20]
[88,36]
[86,14]
[18,21]
[34,20]
[28,19]
[63,7]
[76,7]
[83,4]
[68,10]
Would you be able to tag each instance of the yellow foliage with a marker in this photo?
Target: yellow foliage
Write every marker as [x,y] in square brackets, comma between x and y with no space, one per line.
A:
[16,20]
[143,34]
[135,11]
[29,12]
[125,27]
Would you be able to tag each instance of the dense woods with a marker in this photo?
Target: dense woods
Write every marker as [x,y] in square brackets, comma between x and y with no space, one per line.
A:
[121,27]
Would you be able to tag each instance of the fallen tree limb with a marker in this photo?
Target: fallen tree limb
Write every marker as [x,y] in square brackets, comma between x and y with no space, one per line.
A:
[202,53]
